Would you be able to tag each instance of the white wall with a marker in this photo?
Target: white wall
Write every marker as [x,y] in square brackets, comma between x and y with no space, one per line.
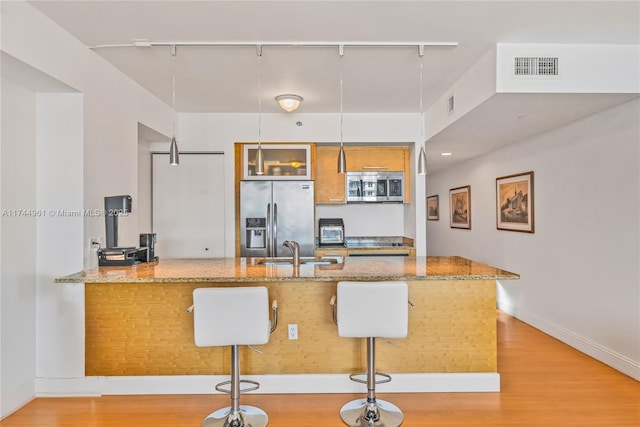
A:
[144,186]
[367,220]
[74,149]
[218,132]
[580,279]
[59,240]
[18,246]
[113,107]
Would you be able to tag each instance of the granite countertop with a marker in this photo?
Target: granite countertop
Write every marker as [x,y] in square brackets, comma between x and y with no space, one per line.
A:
[248,270]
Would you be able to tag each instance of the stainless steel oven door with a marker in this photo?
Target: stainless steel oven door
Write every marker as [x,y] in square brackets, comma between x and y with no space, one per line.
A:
[395,189]
[381,188]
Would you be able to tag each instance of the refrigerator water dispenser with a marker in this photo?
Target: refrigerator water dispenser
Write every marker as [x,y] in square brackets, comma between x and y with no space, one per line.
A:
[256,233]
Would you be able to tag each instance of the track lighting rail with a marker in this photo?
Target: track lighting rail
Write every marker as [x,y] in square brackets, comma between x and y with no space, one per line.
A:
[150,43]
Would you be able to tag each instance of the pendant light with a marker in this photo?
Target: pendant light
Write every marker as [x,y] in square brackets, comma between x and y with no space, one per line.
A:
[259,154]
[342,159]
[422,158]
[174,155]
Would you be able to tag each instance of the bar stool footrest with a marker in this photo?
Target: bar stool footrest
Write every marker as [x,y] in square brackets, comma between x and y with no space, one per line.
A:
[355,375]
[254,386]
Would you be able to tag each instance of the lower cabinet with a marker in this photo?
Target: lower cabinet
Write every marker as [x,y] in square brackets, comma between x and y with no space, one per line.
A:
[328,252]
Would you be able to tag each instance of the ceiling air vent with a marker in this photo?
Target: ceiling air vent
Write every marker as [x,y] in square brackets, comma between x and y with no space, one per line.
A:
[451,104]
[533,66]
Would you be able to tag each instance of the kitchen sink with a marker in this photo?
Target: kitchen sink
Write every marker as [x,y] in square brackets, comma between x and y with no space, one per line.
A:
[303,260]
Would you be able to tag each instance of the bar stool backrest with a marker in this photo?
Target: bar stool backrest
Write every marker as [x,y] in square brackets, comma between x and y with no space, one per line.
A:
[373,309]
[231,316]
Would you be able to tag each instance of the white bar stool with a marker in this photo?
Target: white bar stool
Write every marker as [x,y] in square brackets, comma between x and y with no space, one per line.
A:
[369,310]
[233,316]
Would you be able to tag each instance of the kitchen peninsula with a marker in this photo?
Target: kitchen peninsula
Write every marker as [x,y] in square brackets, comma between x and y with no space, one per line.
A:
[136,323]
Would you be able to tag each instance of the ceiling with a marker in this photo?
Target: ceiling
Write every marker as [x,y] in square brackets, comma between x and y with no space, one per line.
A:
[376,79]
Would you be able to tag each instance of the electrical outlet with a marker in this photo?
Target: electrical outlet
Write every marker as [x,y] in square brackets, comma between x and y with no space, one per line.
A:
[293,331]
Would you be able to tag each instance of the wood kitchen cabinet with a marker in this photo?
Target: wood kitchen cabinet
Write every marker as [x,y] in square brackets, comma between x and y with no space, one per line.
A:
[377,158]
[330,185]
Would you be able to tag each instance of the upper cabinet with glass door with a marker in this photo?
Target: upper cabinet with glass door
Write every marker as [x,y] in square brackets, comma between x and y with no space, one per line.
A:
[281,161]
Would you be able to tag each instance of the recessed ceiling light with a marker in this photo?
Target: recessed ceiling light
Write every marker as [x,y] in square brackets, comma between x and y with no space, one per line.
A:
[446,154]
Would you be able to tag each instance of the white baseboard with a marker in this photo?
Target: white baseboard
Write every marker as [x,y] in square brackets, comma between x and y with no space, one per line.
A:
[603,354]
[269,384]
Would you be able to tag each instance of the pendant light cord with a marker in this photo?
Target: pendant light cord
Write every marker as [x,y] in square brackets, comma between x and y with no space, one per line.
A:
[173,85]
[421,53]
[422,157]
[341,98]
[259,52]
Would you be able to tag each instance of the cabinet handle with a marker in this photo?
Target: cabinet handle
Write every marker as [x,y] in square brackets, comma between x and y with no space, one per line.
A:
[336,200]
[375,167]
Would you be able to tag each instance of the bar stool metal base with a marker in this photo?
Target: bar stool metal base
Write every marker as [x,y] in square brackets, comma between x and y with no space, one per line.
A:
[379,413]
[249,416]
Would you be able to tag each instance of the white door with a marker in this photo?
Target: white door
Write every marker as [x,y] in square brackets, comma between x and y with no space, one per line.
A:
[188,205]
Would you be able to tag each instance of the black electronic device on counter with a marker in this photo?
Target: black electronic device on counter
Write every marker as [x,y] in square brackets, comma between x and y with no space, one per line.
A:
[121,256]
[148,242]
[112,255]
[115,206]
[331,232]
[130,256]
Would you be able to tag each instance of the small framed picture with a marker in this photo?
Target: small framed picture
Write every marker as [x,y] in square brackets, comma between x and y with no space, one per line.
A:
[460,207]
[433,208]
[514,202]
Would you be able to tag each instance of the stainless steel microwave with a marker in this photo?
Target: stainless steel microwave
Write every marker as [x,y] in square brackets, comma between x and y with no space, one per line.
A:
[375,187]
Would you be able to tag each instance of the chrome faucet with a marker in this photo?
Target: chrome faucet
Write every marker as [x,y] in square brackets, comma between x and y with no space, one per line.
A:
[294,247]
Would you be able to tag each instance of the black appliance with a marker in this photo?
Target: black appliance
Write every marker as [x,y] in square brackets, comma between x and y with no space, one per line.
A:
[331,232]
[115,206]
[148,242]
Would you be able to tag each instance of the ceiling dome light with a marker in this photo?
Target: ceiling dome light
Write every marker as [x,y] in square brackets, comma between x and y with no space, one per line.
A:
[288,102]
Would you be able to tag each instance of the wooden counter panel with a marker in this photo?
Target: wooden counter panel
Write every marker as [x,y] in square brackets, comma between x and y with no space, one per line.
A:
[144,329]
[318,348]
[452,328]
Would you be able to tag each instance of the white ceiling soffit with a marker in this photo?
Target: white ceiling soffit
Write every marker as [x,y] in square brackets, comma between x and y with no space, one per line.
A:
[507,118]
[24,75]
[147,134]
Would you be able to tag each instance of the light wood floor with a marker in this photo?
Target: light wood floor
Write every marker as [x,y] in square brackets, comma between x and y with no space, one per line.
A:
[544,383]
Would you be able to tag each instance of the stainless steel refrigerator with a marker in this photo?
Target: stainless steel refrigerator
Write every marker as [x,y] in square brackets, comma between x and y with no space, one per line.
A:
[274,211]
